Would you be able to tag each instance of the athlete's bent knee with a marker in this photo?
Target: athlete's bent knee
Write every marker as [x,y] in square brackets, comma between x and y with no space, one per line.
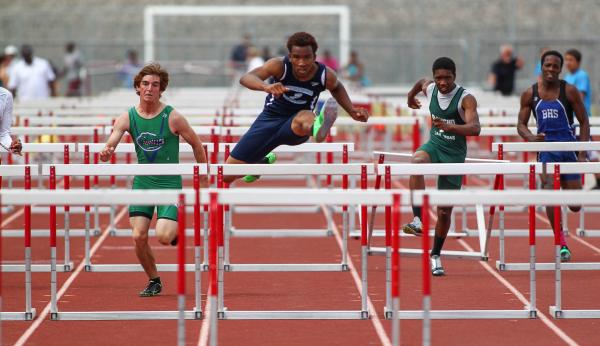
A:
[140,238]
[302,123]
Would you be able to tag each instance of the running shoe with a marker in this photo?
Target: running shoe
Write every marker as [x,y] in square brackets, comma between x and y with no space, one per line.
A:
[565,254]
[414,228]
[325,120]
[436,265]
[269,159]
[153,289]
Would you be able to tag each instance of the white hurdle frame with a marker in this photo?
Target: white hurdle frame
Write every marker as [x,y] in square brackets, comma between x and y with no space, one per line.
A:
[29,312]
[123,170]
[565,168]
[147,197]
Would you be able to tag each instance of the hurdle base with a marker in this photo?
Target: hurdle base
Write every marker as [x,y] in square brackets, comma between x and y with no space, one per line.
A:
[461,314]
[381,233]
[591,233]
[44,233]
[293,267]
[280,233]
[128,268]
[37,268]
[513,233]
[547,266]
[418,252]
[18,316]
[122,315]
[294,315]
[558,314]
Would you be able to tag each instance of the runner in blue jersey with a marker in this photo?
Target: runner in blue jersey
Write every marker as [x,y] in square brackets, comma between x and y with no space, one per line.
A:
[288,116]
[553,103]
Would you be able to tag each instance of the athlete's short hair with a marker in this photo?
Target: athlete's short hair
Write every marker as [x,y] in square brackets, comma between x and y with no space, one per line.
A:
[302,39]
[444,63]
[574,53]
[155,69]
[552,52]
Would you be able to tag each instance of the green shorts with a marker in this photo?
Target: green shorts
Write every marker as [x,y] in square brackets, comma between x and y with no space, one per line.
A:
[439,155]
[162,211]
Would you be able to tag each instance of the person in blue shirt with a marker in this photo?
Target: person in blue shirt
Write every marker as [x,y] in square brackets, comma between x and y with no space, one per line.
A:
[578,77]
[555,104]
[538,66]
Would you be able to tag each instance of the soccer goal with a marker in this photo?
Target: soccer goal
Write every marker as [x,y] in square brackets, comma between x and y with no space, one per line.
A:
[152,12]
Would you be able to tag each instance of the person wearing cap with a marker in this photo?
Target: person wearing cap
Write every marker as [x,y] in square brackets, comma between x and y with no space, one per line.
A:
[7,62]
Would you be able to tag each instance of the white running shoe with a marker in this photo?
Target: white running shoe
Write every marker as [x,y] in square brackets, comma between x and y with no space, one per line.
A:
[414,228]
[436,265]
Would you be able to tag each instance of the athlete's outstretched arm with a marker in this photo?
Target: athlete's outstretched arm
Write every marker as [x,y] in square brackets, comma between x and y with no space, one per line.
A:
[524,114]
[471,126]
[255,79]
[420,86]
[180,126]
[339,93]
[121,125]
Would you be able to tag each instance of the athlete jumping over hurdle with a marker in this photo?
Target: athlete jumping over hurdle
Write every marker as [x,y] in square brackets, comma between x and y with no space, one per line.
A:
[553,102]
[454,116]
[288,115]
[155,128]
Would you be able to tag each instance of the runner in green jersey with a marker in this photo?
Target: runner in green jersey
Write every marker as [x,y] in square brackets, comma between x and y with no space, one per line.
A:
[155,129]
[454,115]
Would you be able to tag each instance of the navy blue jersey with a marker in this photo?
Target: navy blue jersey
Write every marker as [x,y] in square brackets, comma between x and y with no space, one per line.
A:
[301,95]
[554,117]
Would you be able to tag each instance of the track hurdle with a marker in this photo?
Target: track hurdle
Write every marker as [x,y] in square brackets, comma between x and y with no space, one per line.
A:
[124,170]
[565,168]
[345,169]
[426,198]
[554,198]
[29,313]
[71,197]
[303,197]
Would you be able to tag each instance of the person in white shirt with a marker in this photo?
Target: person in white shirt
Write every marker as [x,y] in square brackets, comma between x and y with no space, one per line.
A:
[32,77]
[8,142]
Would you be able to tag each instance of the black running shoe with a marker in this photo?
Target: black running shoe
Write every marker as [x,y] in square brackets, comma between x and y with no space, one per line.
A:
[153,289]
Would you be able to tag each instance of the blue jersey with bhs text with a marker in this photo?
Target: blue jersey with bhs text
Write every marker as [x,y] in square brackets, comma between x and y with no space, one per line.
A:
[554,117]
[301,95]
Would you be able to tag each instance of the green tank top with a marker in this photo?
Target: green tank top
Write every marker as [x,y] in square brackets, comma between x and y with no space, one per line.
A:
[154,143]
[449,142]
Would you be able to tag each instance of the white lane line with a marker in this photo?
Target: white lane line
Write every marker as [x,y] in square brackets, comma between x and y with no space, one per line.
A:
[204,327]
[383,337]
[553,327]
[42,317]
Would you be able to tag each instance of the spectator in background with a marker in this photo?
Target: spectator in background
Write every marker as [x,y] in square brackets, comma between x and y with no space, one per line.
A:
[329,60]
[355,71]
[578,78]
[7,62]
[32,77]
[253,59]
[538,66]
[129,68]
[502,75]
[73,67]
[266,53]
[238,56]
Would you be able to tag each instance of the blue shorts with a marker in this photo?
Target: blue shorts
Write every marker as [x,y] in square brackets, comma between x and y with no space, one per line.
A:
[560,156]
[266,133]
